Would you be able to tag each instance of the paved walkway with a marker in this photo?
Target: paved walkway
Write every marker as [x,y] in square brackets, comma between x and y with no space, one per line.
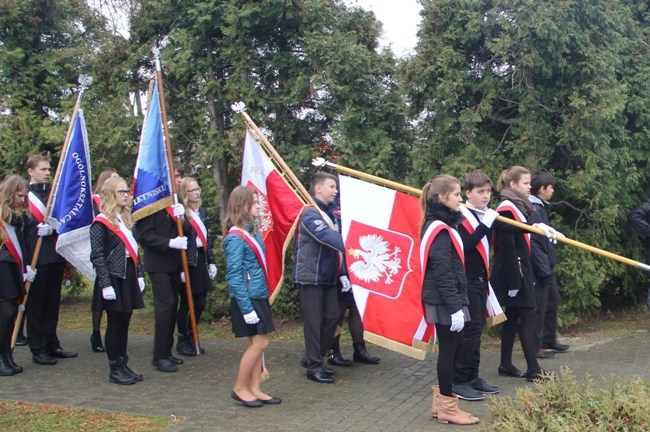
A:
[394,396]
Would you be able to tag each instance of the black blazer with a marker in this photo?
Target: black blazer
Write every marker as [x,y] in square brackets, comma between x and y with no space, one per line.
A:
[153,234]
[108,255]
[48,253]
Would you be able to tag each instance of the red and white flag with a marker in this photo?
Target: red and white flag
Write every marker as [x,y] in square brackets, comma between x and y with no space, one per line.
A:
[280,208]
[380,229]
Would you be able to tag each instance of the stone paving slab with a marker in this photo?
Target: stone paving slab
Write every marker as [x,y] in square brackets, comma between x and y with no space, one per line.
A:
[393,397]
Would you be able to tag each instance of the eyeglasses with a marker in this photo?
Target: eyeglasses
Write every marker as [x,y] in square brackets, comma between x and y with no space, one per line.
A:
[123,191]
[198,189]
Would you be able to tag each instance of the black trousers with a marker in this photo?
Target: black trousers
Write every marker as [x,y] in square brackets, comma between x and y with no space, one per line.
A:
[547,297]
[183,318]
[165,288]
[42,308]
[320,312]
[469,358]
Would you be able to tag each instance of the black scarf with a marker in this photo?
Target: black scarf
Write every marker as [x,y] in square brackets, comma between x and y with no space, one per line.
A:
[437,211]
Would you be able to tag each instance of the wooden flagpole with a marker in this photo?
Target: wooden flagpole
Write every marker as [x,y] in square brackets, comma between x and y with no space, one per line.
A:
[179,224]
[84,83]
[418,192]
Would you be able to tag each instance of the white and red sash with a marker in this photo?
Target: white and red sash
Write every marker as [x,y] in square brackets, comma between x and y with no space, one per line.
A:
[201,230]
[257,249]
[36,206]
[96,200]
[430,235]
[10,241]
[508,205]
[123,234]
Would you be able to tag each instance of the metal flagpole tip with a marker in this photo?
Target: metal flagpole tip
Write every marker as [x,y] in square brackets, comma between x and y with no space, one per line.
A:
[85,80]
[238,107]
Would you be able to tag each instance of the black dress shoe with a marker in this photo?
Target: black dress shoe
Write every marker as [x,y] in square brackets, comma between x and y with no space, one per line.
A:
[272,401]
[255,403]
[557,347]
[465,391]
[541,354]
[21,340]
[164,365]
[43,359]
[175,360]
[320,377]
[538,376]
[511,371]
[61,353]
[96,342]
[479,384]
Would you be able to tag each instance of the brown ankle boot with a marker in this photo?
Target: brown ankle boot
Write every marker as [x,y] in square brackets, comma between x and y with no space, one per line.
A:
[449,412]
[435,406]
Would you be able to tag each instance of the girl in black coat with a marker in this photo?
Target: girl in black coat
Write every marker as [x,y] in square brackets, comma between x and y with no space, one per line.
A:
[120,280]
[444,287]
[512,273]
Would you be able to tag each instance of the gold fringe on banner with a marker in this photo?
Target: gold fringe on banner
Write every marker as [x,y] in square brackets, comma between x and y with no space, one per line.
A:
[417,352]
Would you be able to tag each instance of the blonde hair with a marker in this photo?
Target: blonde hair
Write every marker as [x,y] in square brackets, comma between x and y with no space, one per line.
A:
[238,211]
[433,192]
[184,192]
[108,203]
[8,189]
[103,176]
[512,174]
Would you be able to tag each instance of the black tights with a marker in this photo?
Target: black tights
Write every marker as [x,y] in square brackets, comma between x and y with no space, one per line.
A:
[7,318]
[117,333]
[97,320]
[449,345]
[355,325]
[183,317]
[522,319]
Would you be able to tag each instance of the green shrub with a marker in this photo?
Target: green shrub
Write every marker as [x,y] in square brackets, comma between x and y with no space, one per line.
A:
[563,404]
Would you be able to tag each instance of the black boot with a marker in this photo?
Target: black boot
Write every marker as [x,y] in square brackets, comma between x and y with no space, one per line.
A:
[184,347]
[190,339]
[9,360]
[127,369]
[5,368]
[96,342]
[118,375]
[361,355]
[334,356]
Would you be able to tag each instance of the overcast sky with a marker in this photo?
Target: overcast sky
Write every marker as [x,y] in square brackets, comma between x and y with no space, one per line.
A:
[400,19]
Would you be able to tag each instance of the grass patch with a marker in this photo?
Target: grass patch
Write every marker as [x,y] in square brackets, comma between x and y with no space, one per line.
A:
[28,417]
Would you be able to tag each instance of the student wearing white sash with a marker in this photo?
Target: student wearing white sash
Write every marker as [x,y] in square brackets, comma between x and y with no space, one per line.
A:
[249,293]
[14,217]
[120,280]
[512,277]
[444,287]
[201,264]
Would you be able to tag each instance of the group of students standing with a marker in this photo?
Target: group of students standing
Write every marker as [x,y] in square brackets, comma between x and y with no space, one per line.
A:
[455,247]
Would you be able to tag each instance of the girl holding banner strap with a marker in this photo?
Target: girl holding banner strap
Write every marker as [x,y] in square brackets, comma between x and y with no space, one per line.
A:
[201,264]
[14,216]
[120,279]
[444,287]
[512,272]
[249,293]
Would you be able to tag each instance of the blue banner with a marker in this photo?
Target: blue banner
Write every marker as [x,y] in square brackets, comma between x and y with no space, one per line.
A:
[151,180]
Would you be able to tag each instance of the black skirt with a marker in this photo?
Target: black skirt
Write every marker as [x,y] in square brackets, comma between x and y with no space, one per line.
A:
[239,326]
[199,276]
[11,281]
[127,292]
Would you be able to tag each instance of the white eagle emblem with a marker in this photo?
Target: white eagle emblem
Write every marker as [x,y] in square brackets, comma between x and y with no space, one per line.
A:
[377,260]
[266,217]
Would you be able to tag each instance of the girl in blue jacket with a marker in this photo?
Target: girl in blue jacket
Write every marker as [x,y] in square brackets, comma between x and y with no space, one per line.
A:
[249,293]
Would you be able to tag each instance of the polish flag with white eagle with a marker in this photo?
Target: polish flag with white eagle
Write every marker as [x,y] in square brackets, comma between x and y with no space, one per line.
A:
[380,229]
[280,208]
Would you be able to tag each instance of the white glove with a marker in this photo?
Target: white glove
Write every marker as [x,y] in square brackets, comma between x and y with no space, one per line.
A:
[108,293]
[44,230]
[512,293]
[178,210]
[457,321]
[178,243]
[251,318]
[346,286]
[183,277]
[212,271]
[30,275]
[489,217]
[548,231]
[141,284]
